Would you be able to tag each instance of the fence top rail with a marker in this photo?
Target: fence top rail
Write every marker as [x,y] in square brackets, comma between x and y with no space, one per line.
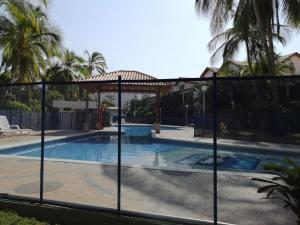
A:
[295,77]
[292,77]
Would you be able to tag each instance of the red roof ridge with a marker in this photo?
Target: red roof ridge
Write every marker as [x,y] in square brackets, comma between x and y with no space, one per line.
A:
[128,75]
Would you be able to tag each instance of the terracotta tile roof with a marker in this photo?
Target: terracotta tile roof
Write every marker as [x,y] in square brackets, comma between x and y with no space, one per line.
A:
[127,75]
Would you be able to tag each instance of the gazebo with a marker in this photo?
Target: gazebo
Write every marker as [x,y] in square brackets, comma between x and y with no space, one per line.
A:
[132,81]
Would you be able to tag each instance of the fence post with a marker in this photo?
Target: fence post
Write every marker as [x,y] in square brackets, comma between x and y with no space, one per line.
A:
[215,124]
[42,142]
[21,119]
[30,120]
[119,142]
[10,115]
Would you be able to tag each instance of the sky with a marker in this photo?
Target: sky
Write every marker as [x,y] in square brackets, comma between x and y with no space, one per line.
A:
[163,38]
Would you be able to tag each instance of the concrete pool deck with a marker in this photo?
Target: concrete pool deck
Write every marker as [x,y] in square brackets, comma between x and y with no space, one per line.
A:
[163,191]
[51,135]
[186,134]
[160,191]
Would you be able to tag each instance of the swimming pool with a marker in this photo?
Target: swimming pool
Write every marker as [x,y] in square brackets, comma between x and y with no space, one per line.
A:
[139,148]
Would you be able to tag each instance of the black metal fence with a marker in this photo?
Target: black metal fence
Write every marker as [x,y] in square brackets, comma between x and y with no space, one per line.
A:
[245,109]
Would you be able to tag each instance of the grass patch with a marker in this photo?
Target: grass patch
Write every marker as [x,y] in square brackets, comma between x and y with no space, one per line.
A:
[9,218]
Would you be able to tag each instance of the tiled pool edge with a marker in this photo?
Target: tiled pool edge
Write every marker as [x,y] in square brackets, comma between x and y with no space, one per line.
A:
[106,164]
[247,145]
[53,140]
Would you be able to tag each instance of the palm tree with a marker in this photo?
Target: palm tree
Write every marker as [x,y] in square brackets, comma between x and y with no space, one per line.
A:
[67,67]
[95,63]
[26,40]
[243,33]
[220,12]
[233,39]
[70,67]
[260,67]
[266,19]
[263,26]
[231,42]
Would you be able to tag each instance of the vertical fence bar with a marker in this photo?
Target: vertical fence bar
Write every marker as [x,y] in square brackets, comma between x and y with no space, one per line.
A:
[21,119]
[119,142]
[42,142]
[30,120]
[215,97]
[10,116]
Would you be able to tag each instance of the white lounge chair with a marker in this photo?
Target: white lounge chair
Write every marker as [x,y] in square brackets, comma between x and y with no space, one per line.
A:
[7,129]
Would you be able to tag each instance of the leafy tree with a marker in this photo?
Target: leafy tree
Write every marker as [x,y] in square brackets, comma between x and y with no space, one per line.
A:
[68,67]
[268,19]
[26,40]
[243,33]
[281,68]
[140,110]
[109,101]
[95,63]
[220,12]
[263,17]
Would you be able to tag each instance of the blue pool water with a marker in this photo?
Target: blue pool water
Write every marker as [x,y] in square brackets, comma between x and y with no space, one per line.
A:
[138,148]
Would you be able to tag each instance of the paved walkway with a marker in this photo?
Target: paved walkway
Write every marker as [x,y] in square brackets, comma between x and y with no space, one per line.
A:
[159,191]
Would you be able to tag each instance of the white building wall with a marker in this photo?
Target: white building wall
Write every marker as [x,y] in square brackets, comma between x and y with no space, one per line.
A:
[296,62]
[208,74]
[125,97]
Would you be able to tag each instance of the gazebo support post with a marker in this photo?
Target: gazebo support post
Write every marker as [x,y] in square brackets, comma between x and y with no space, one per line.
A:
[86,126]
[98,124]
[157,112]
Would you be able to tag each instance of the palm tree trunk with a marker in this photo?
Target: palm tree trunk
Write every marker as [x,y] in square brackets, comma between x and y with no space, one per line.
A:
[248,57]
[86,112]
[253,82]
[86,106]
[271,46]
[29,95]
[263,34]
[274,85]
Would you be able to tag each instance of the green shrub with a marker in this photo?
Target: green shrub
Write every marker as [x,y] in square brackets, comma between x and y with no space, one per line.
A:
[35,105]
[17,105]
[107,117]
[8,218]
[284,185]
